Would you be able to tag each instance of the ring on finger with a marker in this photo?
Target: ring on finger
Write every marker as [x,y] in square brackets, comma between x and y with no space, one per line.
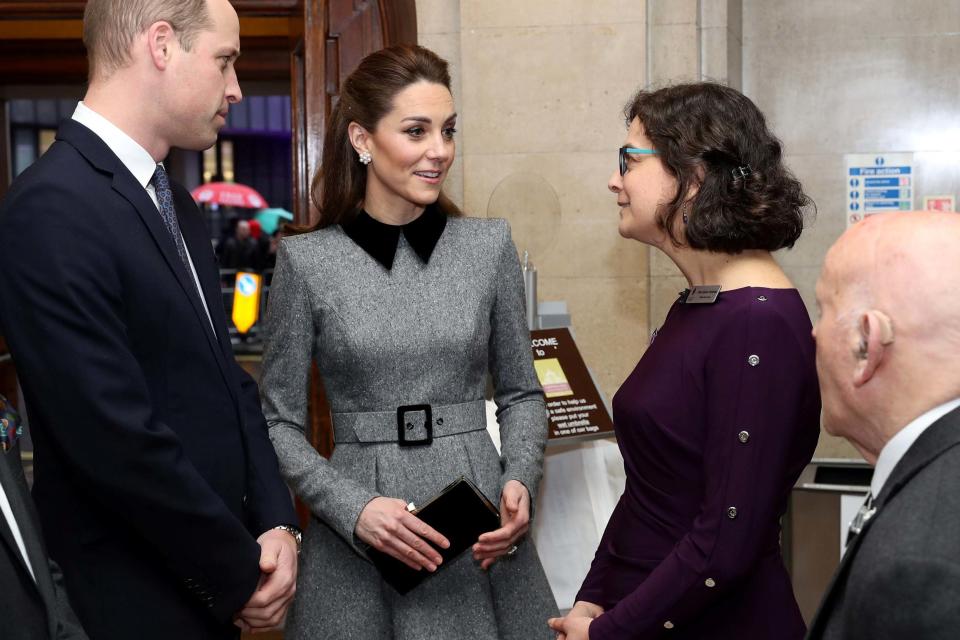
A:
[512,550]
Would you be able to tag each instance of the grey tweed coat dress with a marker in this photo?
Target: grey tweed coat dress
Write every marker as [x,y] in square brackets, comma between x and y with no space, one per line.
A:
[417,333]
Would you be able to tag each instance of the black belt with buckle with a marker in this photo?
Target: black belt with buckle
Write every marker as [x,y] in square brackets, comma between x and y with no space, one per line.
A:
[403,425]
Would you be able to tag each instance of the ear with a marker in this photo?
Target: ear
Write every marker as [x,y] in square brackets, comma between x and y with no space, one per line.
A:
[160,42]
[875,331]
[359,137]
[694,188]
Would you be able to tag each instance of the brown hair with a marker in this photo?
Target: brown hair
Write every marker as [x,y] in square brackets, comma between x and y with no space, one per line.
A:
[714,137]
[366,96]
[110,26]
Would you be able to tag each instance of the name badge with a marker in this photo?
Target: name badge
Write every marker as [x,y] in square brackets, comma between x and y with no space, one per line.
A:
[702,294]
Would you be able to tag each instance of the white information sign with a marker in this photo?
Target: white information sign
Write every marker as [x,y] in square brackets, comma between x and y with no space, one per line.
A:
[878,183]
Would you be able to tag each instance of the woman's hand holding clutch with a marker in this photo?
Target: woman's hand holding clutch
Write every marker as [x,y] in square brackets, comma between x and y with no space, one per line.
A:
[575,625]
[386,525]
[515,521]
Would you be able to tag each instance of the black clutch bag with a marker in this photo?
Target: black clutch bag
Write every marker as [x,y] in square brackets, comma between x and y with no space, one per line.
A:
[461,513]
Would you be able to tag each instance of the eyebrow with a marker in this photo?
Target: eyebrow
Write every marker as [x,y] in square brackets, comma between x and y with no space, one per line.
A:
[426,120]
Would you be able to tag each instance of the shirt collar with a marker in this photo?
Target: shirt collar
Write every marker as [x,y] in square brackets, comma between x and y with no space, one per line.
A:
[134,157]
[380,239]
[898,445]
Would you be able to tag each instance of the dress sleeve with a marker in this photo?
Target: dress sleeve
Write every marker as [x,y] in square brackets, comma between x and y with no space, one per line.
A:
[760,390]
[284,386]
[521,408]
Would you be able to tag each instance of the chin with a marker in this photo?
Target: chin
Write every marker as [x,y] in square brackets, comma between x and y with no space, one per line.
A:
[196,144]
[425,199]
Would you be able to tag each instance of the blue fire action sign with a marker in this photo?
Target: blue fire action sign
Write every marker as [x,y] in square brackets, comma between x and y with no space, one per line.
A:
[878,182]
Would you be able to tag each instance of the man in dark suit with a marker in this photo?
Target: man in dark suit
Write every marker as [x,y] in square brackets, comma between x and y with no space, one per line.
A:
[887,343]
[156,483]
[33,601]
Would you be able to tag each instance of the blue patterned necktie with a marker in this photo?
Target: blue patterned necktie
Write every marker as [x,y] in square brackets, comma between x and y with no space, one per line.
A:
[161,184]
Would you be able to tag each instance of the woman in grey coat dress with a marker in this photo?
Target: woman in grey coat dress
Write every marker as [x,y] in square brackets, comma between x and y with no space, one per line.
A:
[403,302]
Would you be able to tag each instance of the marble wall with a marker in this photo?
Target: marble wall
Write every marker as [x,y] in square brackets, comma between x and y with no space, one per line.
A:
[836,78]
[540,86]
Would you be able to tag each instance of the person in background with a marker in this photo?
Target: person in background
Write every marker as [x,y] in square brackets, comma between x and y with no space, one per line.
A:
[156,483]
[887,345]
[404,303]
[722,412]
[34,603]
[239,251]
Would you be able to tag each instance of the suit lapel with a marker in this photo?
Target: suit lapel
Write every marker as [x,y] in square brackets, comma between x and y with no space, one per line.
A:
[15,487]
[99,155]
[197,239]
[837,584]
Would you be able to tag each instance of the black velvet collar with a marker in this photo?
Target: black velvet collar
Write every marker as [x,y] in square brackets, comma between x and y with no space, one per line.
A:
[380,239]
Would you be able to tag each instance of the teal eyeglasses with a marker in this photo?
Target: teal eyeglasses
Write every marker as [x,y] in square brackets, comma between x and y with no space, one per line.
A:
[633,150]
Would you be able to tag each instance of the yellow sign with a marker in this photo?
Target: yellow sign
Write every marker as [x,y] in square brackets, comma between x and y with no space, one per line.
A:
[552,378]
[246,301]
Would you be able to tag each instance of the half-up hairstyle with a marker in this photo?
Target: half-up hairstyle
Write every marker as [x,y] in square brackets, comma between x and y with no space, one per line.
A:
[366,96]
[714,138]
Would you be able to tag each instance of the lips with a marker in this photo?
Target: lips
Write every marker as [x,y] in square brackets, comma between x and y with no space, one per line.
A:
[433,177]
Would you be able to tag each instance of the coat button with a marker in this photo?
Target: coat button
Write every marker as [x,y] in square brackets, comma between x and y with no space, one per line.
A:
[743,436]
[731,512]
[753,360]
[439,422]
[668,625]
[409,426]
[710,582]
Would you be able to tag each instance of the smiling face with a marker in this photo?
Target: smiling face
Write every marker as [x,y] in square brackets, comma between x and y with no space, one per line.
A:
[203,82]
[642,190]
[412,149]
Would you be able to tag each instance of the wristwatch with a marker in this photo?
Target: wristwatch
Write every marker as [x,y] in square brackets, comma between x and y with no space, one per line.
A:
[294,532]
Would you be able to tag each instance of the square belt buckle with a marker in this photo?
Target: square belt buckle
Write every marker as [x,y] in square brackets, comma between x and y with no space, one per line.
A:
[402,424]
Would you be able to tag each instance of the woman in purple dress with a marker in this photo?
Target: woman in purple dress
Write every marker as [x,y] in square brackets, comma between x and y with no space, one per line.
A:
[721,414]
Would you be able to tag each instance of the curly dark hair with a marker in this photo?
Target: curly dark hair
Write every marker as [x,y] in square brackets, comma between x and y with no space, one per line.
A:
[704,133]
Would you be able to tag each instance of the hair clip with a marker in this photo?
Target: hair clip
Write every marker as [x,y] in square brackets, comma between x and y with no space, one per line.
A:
[741,172]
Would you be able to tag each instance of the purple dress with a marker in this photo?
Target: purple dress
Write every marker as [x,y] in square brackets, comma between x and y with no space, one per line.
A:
[715,424]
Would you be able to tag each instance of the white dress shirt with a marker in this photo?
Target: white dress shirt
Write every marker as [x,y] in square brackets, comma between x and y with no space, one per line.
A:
[17,536]
[898,445]
[139,162]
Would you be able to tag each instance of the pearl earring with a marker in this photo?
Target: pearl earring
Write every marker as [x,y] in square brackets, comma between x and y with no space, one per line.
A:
[365,157]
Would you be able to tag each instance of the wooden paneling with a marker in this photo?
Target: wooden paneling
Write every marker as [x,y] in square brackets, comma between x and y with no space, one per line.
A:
[6,160]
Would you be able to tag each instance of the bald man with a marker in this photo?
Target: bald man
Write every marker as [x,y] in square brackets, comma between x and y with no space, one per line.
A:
[888,357]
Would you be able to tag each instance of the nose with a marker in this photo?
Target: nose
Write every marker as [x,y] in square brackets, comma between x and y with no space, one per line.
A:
[441,149]
[615,183]
[233,93]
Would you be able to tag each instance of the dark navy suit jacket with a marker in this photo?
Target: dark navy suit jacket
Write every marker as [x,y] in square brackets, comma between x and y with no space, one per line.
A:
[154,472]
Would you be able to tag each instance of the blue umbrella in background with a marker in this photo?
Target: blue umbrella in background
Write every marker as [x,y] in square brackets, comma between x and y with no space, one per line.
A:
[269,219]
